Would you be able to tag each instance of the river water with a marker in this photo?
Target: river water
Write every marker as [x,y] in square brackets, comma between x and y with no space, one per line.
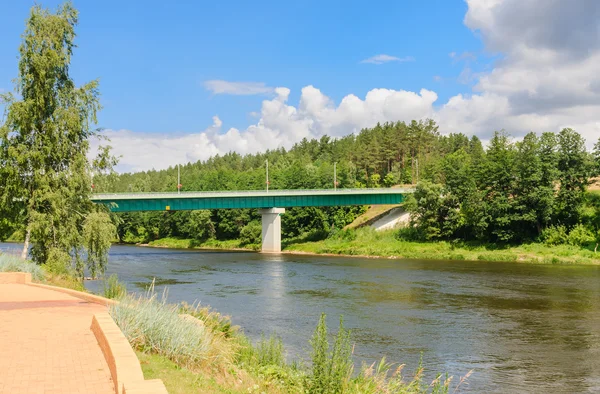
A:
[520,328]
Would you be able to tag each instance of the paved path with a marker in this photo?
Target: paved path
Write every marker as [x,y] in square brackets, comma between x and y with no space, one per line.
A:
[46,345]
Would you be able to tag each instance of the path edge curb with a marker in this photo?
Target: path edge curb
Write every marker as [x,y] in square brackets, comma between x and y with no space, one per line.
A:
[122,361]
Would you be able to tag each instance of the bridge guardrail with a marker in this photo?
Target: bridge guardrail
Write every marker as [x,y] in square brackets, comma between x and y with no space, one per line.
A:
[248,193]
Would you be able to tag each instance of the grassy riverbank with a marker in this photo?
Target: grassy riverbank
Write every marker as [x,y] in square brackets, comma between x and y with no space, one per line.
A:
[194,349]
[182,243]
[369,243]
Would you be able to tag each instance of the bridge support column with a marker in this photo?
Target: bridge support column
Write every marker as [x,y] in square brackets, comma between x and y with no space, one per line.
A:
[271,229]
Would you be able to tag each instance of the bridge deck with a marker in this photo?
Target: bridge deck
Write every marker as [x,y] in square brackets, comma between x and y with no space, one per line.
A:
[126,202]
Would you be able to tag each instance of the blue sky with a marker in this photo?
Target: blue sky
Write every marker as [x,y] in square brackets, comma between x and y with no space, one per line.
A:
[156,60]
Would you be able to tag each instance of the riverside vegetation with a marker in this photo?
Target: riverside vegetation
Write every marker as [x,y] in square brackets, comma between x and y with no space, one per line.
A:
[510,194]
[514,199]
[195,349]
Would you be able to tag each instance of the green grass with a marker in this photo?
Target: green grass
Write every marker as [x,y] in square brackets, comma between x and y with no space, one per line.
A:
[368,242]
[113,288]
[263,368]
[152,325]
[183,243]
[177,380]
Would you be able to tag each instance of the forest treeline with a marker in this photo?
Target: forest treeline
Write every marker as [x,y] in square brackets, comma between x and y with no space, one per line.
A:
[510,191]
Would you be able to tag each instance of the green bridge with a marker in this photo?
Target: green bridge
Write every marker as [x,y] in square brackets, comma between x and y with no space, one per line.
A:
[271,204]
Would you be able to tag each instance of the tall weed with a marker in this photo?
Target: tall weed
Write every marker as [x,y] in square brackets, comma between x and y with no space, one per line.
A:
[113,288]
[270,351]
[331,370]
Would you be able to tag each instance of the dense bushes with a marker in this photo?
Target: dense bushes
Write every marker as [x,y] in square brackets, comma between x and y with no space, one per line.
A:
[579,235]
[251,233]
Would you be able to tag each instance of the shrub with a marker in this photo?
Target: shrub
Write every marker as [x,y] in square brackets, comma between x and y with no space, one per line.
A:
[409,233]
[113,288]
[59,262]
[270,351]
[331,370]
[10,263]
[343,235]
[554,235]
[580,236]
[251,233]
[217,322]
[153,326]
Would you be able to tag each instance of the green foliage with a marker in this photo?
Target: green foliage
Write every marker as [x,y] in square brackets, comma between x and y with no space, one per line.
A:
[270,351]
[343,235]
[596,153]
[214,320]
[200,225]
[58,262]
[575,168]
[435,213]
[390,179]
[331,369]
[251,233]
[10,263]
[510,193]
[113,288]
[44,142]
[396,244]
[580,236]
[555,235]
[98,234]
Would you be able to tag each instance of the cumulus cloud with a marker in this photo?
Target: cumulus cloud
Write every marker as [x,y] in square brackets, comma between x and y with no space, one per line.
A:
[383,58]
[545,79]
[280,124]
[218,86]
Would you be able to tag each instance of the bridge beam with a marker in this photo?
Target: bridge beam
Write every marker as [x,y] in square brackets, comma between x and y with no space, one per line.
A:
[271,229]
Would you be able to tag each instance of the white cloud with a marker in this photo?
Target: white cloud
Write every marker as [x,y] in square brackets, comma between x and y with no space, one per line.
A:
[546,79]
[217,123]
[280,124]
[218,86]
[383,58]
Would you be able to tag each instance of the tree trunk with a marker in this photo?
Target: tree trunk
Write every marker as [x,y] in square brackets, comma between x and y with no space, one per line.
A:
[26,244]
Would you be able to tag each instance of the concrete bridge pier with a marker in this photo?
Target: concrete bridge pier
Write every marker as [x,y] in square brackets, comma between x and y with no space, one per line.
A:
[271,229]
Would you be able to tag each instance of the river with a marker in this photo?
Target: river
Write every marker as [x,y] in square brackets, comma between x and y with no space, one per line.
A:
[520,328]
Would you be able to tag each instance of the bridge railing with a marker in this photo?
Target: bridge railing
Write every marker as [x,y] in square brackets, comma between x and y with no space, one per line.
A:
[247,193]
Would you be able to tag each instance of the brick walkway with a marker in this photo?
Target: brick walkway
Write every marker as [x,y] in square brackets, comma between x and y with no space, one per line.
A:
[46,345]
